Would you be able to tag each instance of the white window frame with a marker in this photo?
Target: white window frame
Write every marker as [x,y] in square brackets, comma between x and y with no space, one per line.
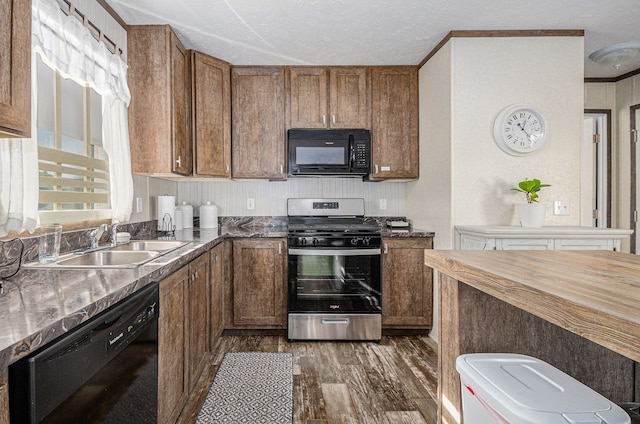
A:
[76,215]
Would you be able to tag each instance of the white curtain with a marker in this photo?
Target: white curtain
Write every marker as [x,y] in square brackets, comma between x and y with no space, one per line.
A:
[66,45]
[19,177]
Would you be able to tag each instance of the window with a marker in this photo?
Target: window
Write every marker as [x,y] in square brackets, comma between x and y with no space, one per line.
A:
[72,163]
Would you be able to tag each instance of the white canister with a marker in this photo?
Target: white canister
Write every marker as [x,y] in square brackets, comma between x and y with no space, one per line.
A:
[208,216]
[187,215]
[179,224]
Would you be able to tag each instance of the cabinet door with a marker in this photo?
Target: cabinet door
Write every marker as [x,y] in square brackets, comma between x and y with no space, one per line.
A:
[407,284]
[198,317]
[4,397]
[258,122]
[173,385]
[259,286]
[349,97]
[394,135]
[216,296]
[211,109]
[181,98]
[15,68]
[308,89]
[159,112]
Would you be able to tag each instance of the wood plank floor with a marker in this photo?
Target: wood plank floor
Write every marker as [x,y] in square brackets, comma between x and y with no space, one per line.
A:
[391,382]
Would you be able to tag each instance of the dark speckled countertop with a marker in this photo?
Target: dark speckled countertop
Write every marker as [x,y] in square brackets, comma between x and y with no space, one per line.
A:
[40,304]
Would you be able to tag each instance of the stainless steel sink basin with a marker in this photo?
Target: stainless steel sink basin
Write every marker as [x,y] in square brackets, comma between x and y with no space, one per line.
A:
[149,245]
[108,259]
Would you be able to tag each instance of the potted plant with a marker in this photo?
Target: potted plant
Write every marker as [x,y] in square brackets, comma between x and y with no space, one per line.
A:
[531,213]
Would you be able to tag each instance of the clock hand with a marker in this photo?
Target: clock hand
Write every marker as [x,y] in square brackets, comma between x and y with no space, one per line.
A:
[529,136]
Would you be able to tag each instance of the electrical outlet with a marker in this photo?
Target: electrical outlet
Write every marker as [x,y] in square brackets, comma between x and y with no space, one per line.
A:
[251,203]
[138,204]
[561,207]
[383,204]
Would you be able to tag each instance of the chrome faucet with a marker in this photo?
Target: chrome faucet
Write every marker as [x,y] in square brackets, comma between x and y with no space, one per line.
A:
[114,233]
[95,234]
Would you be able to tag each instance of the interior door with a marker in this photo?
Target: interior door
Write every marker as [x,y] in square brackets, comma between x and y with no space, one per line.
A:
[633,133]
[596,137]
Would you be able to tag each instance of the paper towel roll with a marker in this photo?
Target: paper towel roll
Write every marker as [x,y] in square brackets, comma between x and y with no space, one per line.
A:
[166,213]
[208,216]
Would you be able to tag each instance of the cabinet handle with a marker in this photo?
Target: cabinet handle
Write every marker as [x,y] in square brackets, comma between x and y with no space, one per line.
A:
[281,169]
[324,119]
[280,248]
[386,248]
[333,119]
[375,167]
[226,168]
[179,161]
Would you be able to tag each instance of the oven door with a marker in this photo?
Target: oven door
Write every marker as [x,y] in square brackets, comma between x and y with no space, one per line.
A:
[334,280]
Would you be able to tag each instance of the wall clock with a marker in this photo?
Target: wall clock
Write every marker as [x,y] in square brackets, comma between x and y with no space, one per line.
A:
[520,130]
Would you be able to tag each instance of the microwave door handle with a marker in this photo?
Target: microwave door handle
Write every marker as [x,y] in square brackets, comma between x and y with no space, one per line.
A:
[352,151]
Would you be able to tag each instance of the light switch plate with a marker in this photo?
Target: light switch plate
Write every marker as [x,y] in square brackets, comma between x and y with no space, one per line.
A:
[251,203]
[383,204]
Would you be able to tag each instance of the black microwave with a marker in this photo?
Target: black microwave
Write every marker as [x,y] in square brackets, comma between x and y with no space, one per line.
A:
[329,152]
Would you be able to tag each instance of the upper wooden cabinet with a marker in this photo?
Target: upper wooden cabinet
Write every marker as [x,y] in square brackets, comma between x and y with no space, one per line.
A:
[15,68]
[211,94]
[258,134]
[394,130]
[159,113]
[336,97]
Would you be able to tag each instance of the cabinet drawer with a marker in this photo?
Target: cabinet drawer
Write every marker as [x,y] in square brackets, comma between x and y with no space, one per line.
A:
[524,244]
[586,244]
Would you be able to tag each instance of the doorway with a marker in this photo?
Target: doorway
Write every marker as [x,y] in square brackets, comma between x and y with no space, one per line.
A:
[597,134]
[633,216]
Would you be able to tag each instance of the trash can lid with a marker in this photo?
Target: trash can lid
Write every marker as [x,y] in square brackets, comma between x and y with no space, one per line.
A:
[526,389]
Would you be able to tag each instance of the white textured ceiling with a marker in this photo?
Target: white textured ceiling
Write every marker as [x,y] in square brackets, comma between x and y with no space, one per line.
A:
[373,32]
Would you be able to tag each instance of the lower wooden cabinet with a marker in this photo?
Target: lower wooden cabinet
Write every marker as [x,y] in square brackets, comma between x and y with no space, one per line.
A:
[4,397]
[198,282]
[259,283]
[173,331]
[218,259]
[407,284]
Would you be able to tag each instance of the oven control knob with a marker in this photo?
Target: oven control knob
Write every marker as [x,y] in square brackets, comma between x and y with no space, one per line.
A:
[365,241]
[302,241]
[354,241]
[314,241]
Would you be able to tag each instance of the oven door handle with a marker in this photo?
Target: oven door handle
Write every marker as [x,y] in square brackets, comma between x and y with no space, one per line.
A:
[334,252]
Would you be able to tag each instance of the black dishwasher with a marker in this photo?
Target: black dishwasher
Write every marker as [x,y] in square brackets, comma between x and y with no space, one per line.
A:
[104,371]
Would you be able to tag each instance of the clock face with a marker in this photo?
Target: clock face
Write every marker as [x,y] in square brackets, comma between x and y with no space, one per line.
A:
[520,130]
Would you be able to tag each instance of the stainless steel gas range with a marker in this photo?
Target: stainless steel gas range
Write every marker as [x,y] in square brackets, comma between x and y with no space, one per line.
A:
[334,271]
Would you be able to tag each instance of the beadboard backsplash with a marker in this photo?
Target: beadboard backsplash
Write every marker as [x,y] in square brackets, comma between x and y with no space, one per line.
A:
[270,197]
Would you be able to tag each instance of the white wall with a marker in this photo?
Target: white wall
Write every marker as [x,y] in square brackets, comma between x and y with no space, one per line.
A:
[270,196]
[481,77]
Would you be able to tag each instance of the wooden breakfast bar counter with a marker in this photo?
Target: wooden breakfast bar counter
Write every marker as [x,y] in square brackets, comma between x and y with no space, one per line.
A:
[577,310]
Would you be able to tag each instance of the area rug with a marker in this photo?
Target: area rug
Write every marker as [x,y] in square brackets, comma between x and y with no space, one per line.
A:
[251,387]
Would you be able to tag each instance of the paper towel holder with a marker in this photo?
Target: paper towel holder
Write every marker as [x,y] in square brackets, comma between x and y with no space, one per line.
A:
[166,228]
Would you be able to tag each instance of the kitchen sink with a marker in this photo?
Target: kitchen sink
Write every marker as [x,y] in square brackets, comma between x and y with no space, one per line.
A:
[129,255]
[108,259]
[149,245]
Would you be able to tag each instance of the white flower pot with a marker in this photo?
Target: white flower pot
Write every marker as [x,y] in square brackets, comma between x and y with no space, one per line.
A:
[531,214]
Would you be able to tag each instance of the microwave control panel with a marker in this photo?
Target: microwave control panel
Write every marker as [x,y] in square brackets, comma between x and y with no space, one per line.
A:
[361,156]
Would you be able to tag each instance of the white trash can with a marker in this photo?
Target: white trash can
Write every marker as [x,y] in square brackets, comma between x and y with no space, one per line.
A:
[518,389]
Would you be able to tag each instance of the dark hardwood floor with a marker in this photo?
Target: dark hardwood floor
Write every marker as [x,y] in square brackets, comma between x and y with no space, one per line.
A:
[394,381]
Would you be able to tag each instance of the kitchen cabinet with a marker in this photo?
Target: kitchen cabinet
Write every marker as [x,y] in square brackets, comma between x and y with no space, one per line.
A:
[211,107]
[159,112]
[173,335]
[334,97]
[258,148]
[4,397]
[481,237]
[407,284]
[259,283]
[198,317]
[218,259]
[394,127]
[15,69]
